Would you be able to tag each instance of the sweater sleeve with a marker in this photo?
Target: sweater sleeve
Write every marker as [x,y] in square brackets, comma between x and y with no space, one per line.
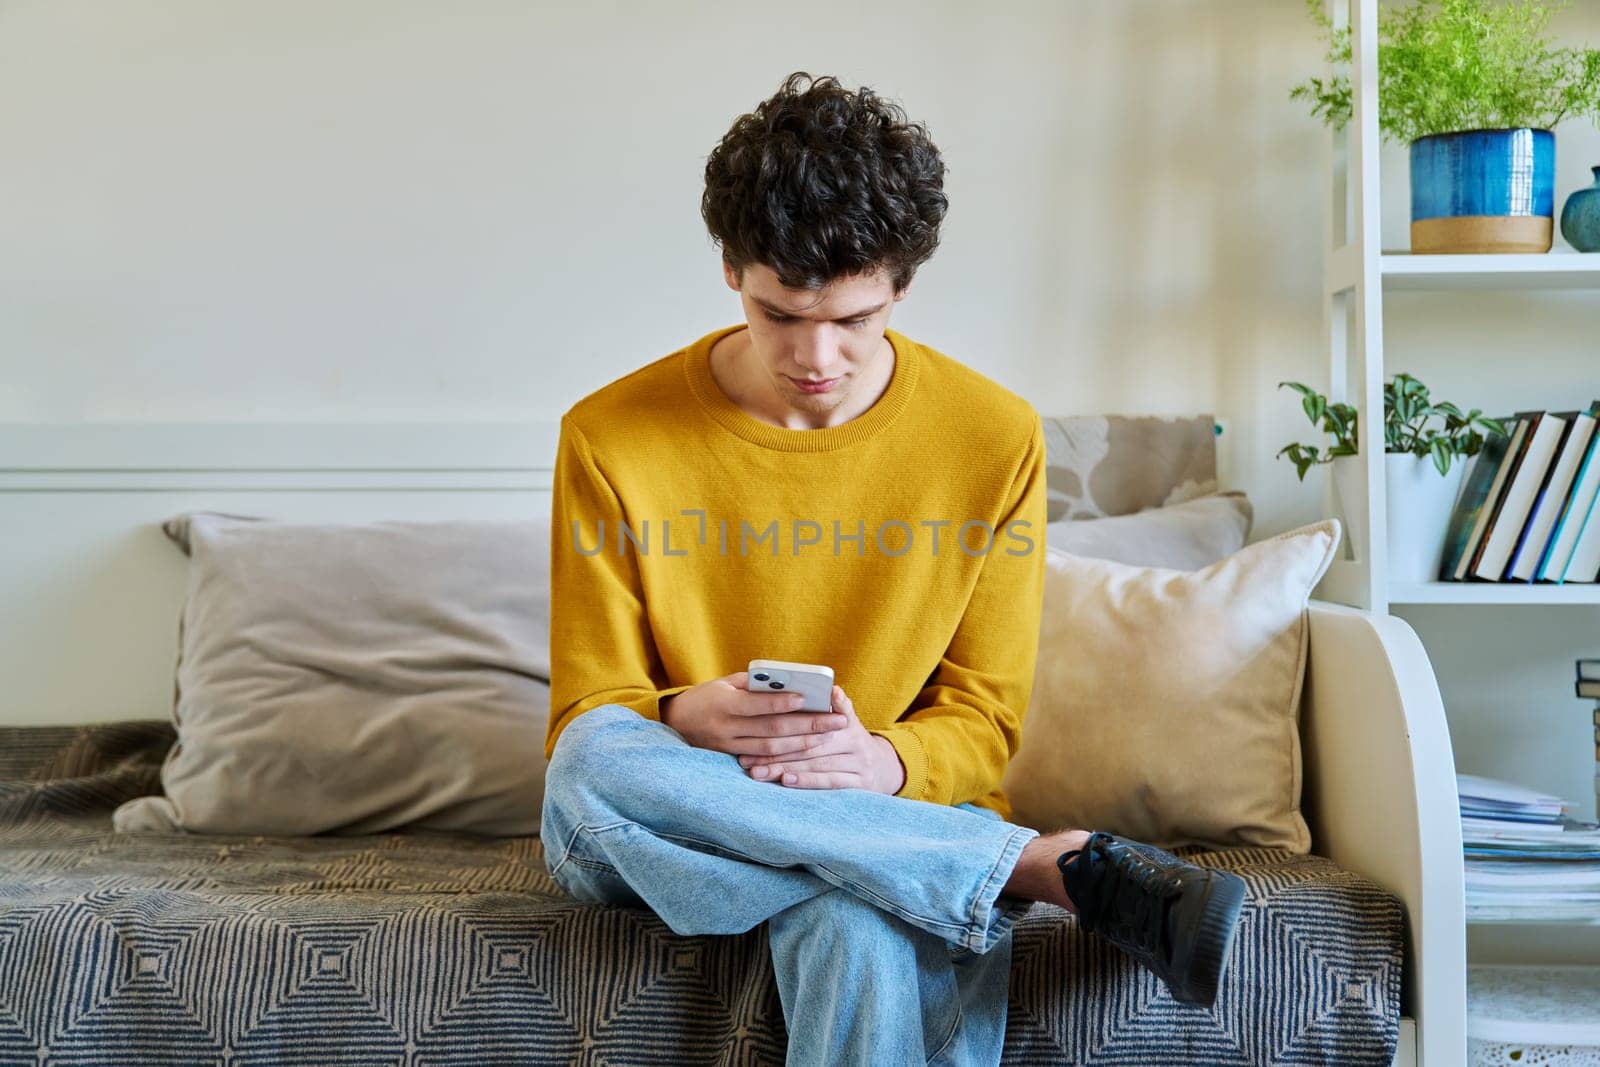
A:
[601,649]
[966,723]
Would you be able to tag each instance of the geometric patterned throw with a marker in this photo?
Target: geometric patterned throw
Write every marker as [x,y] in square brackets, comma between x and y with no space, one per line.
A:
[417,948]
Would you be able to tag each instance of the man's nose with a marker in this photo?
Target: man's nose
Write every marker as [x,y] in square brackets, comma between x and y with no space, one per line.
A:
[819,357]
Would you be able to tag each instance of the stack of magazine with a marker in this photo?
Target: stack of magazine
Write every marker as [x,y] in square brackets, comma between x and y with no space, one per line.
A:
[1526,858]
[1588,686]
[1526,511]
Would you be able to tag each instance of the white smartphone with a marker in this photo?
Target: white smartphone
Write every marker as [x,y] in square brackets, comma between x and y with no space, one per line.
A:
[811,681]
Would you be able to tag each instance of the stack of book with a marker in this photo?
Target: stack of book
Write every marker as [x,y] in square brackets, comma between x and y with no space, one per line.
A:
[1588,686]
[1526,511]
[1526,859]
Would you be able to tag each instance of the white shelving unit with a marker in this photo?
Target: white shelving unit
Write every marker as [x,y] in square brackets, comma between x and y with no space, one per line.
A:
[1357,274]
[1491,593]
[1553,270]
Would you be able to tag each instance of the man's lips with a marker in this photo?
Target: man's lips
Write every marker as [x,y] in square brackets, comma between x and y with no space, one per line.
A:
[808,386]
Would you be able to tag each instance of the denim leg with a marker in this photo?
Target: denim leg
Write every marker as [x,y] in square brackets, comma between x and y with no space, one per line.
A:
[982,986]
[632,808]
[862,986]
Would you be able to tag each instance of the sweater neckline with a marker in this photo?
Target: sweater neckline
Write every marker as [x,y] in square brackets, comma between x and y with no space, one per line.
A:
[697,368]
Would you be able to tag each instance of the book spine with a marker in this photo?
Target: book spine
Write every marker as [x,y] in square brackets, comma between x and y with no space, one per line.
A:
[1529,531]
[1554,562]
[1553,565]
[1518,427]
[1531,541]
[1585,558]
[1553,497]
[1512,511]
[1474,485]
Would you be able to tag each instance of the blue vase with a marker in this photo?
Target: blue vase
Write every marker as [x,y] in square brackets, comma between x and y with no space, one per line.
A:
[1580,219]
[1483,191]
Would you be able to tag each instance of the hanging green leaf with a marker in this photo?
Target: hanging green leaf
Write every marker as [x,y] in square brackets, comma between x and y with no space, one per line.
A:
[1406,429]
[1440,447]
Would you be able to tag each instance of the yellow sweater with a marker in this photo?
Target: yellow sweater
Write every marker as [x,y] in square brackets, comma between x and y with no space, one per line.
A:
[865,546]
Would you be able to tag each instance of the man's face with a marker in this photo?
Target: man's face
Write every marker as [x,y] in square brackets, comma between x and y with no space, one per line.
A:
[817,348]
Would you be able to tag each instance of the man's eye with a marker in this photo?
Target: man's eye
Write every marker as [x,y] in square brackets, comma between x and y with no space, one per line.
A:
[854,324]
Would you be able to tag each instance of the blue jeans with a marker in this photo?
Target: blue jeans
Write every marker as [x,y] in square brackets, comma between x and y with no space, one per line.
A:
[890,940]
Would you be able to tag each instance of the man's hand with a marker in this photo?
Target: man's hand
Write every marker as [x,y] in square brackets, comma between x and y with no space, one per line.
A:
[723,716]
[847,758]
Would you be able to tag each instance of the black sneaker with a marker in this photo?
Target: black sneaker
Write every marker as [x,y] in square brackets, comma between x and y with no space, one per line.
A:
[1174,917]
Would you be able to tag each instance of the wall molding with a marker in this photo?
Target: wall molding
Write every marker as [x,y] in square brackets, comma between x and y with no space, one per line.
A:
[277,456]
[156,457]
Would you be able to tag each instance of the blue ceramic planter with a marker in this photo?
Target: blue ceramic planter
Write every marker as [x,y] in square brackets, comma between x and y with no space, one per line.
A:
[1580,219]
[1483,191]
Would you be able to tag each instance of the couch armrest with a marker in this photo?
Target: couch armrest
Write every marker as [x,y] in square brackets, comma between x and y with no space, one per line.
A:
[1380,797]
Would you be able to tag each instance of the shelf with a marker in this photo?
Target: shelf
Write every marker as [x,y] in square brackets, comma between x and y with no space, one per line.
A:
[1534,920]
[1537,1008]
[1550,270]
[1492,593]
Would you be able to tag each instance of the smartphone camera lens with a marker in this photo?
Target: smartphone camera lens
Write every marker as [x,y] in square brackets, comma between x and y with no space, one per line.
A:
[774,685]
[760,677]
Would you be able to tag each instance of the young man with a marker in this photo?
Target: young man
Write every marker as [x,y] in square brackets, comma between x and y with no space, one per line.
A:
[813,486]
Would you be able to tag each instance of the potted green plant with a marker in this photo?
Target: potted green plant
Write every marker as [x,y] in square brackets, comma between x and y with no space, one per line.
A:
[1421,477]
[1473,86]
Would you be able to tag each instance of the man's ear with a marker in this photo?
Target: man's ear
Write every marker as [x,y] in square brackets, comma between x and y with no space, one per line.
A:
[730,276]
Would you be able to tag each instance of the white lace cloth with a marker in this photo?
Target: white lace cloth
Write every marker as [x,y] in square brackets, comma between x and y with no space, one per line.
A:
[1533,1016]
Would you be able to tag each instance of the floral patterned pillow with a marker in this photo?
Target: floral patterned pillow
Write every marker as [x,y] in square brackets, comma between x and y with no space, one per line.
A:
[1102,465]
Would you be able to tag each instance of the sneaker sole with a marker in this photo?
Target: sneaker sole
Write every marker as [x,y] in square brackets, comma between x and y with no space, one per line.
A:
[1219,921]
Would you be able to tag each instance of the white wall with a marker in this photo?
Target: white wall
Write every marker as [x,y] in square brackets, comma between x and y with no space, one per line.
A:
[362,211]
[372,210]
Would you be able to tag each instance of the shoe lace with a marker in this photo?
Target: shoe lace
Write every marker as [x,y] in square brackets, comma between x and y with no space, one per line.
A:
[1129,898]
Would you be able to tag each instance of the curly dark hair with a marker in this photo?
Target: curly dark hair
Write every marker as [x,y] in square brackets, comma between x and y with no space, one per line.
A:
[819,182]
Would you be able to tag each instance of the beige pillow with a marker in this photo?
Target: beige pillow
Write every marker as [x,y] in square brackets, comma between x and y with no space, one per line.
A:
[357,678]
[1185,536]
[1165,704]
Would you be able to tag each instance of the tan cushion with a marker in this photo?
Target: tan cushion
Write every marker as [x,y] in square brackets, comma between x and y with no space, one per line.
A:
[1184,536]
[1165,704]
[356,678]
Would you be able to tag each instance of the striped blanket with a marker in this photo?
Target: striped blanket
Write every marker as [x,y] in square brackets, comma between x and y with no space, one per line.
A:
[432,948]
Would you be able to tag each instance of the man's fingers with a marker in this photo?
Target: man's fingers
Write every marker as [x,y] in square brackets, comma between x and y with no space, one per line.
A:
[803,762]
[767,747]
[822,723]
[820,780]
[765,703]
[789,724]
[782,745]
[842,703]
[758,749]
